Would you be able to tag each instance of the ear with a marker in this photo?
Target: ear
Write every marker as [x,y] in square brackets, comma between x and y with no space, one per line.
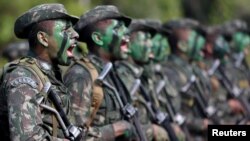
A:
[42,37]
[97,38]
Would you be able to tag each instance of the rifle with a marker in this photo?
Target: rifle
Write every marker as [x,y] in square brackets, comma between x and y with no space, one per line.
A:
[240,60]
[174,115]
[206,110]
[158,116]
[128,110]
[70,131]
[232,89]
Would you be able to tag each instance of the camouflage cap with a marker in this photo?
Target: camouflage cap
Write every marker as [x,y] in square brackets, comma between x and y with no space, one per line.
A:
[141,25]
[235,25]
[100,13]
[158,26]
[181,23]
[40,13]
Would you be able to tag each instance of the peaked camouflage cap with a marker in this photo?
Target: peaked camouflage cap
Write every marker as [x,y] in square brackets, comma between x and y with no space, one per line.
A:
[157,24]
[40,13]
[99,13]
[181,23]
[141,25]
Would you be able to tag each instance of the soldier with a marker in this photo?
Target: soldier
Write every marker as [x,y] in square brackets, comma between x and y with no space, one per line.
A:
[31,91]
[237,34]
[168,96]
[15,50]
[230,109]
[130,72]
[181,73]
[103,29]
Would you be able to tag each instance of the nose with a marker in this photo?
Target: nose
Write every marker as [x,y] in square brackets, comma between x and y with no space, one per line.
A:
[126,38]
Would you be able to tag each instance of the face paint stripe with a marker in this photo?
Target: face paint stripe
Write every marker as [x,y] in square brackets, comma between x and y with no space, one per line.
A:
[65,37]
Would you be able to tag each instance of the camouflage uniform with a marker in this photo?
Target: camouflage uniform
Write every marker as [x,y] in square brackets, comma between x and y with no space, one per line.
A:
[138,26]
[80,83]
[22,88]
[219,95]
[179,73]
[129,73]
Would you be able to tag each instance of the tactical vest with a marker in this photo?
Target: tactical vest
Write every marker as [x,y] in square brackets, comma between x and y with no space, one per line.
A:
[97,91]
[105,108]
[31,64]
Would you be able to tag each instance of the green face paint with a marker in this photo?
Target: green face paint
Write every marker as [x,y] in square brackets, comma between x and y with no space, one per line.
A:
[114,39]
[195,44]
[160,48]
[221,48]
[140,46]
[240,42]
[63,35]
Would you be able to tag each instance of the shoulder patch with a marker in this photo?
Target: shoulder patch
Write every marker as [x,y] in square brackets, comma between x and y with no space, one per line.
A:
[24,80]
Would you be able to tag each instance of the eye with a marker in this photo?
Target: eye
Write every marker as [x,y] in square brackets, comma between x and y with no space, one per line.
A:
[119,28]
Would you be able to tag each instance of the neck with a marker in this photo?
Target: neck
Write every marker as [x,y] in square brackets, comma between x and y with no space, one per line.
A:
[40,53]
[100,52]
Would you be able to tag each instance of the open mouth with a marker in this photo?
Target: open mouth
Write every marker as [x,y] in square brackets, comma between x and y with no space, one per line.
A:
[70,50]
[124,46]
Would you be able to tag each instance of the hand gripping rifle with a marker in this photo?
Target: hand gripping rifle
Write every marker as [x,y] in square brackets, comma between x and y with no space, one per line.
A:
[234,91]
[128,110]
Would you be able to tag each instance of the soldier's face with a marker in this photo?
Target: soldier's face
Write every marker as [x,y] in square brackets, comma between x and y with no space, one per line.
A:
[115,40]
[140,46]
[62,41]
[183,33]
[183,37]
[160,47]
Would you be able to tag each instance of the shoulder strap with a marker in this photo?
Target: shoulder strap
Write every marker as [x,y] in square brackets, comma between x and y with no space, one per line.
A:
[32,65]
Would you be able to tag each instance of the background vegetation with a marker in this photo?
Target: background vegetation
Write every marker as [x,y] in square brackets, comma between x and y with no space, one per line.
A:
[206,11]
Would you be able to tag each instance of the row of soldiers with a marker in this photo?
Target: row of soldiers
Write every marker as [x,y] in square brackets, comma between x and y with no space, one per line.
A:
[140,80]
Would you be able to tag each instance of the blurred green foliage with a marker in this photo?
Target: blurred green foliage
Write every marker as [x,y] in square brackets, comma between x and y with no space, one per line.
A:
[206,11]
[11,9]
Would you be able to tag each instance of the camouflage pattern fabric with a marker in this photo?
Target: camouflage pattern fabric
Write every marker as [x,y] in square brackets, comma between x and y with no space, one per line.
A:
[40,13]
[179,73]
[128,74]
[99,13]
[79,82]
[167,92]
[21,113]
